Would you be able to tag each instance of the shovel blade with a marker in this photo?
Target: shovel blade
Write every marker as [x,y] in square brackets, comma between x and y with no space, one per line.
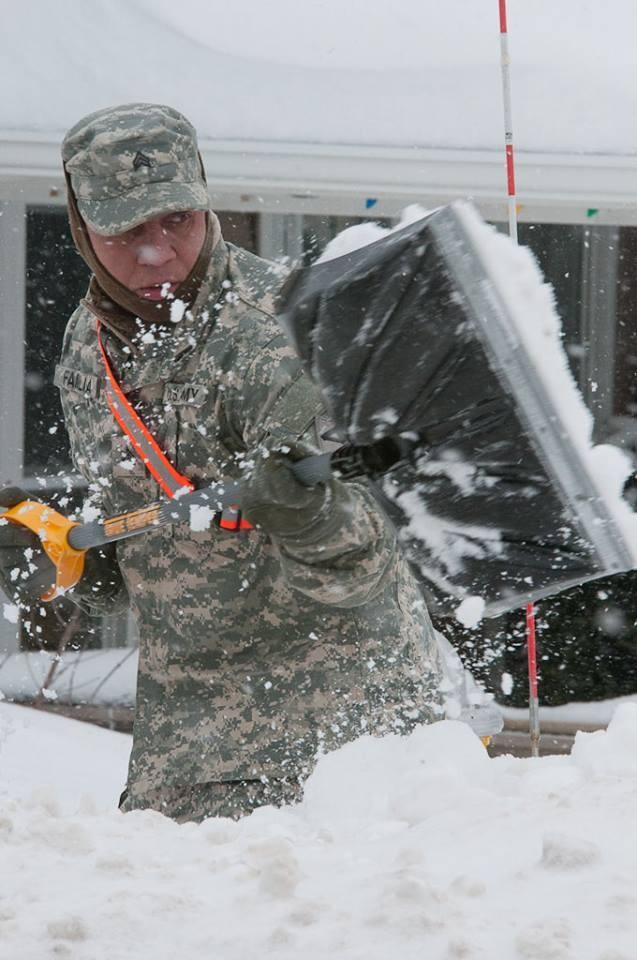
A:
[409,338]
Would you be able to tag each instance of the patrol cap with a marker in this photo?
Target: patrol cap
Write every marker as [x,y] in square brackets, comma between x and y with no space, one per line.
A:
[130,163]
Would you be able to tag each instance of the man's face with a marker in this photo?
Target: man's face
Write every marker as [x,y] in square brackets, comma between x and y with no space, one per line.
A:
[155,257]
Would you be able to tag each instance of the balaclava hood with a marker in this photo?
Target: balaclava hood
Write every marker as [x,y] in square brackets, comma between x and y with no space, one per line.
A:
[125,165]
[116,305]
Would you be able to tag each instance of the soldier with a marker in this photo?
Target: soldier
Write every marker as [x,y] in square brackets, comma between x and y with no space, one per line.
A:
[259,647]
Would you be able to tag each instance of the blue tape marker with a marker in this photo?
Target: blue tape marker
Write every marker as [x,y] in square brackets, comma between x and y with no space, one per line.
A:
[370,202]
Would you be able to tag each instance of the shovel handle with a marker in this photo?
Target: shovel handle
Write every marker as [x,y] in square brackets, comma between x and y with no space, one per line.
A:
[218,497]
[66,541]
[314,469]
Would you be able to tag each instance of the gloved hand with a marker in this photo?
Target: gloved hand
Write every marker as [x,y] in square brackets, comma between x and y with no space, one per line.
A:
[272,497]
[25,570]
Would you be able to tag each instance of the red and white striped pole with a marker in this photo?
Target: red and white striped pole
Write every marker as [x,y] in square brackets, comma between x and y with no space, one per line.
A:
[534,703]
[508,122]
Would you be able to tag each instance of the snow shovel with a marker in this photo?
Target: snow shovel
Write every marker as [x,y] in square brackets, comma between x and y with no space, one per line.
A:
[440,343]
[419,354]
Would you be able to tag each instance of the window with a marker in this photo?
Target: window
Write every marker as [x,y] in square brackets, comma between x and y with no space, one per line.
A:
[56,280]
[625,373]
[240,228]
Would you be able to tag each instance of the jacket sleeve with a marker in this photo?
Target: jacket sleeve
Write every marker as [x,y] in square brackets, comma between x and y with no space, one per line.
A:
[346,564]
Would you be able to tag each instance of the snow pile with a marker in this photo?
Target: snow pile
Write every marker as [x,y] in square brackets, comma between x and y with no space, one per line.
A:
[98,677]
[582,716]
[48,762]
[410,848]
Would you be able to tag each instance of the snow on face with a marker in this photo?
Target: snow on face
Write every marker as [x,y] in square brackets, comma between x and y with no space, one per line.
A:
[409,847]
[153,258]
[149,255]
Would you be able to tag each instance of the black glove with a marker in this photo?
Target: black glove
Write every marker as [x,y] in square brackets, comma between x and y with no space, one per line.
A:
[25,570]
[272,497]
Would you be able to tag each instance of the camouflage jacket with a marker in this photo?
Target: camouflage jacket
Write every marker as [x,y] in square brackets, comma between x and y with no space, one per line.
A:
[253,659]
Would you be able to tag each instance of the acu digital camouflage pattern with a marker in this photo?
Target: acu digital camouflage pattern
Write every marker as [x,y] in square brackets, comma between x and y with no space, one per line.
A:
[131,163]
[253,658]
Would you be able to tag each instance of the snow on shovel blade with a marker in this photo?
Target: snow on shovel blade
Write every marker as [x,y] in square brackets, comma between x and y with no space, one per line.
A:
[443,333]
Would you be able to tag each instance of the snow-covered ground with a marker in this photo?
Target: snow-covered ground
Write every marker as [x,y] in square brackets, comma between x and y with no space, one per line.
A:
[96,677]
[421,847]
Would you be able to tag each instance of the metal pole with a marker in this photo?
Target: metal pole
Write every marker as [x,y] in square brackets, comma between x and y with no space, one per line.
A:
[534,703]
[508,122]
[505,60]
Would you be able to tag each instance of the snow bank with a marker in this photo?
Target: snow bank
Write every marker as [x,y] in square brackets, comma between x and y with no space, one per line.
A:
[595,713]
[98,677]
[407,848]
[50,763]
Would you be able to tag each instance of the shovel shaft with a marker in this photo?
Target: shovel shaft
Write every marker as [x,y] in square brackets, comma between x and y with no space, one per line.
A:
[216,498]
[226,495]
[66,541]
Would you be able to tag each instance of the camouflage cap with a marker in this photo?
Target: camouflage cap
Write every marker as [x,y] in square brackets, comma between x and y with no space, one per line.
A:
[131,163]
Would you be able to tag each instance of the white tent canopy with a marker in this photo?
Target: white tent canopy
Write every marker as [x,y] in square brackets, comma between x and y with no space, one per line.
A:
[370,102]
